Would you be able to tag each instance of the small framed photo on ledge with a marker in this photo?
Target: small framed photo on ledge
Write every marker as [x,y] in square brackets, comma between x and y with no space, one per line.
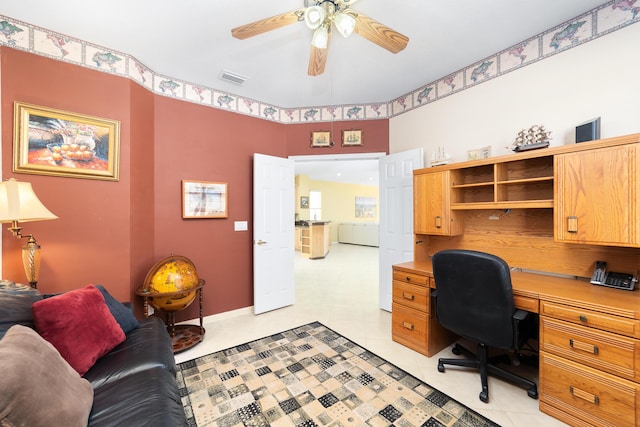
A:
[321,139]
[201,199]
[479,153]
[351,137]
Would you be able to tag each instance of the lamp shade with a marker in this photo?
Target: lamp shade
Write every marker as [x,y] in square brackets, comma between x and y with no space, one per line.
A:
[314,16]
[320,38]
[18,202]
[345,23]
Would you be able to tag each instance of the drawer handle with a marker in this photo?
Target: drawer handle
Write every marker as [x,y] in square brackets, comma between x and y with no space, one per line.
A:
[410,297]
[408,279]
[589,348]
[583,318]
[407,325]
[581,394]
[438,221]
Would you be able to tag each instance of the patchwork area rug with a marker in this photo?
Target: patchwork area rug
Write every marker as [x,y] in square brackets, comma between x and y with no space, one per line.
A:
[311,376]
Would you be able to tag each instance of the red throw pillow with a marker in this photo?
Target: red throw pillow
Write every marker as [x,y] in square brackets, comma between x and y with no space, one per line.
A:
[79,325]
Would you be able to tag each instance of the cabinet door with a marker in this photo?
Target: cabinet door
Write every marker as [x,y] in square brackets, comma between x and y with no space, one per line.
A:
[597,201]
[431,213]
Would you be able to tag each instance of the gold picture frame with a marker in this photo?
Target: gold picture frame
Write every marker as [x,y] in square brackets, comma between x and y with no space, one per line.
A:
[304,202]
[352,137]
[203,199]
[321,139]
[53,142]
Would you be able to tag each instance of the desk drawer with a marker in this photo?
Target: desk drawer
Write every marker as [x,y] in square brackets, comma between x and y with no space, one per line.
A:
[526,303]
[415,279]
[413,296]
[409,327]
[593,319]
[611,353]
[588,394]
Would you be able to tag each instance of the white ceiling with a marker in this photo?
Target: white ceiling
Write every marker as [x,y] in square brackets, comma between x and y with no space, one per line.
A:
[348,169]
[191,41]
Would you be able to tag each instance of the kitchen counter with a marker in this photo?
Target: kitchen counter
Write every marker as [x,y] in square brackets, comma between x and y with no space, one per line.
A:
[312,238]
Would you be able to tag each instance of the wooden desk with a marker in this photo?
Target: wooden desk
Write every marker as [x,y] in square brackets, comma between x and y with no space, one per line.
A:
[589,343]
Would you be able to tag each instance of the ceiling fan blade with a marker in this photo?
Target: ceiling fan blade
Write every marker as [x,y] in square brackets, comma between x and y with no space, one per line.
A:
[380,34]
[262,26]
[318,59]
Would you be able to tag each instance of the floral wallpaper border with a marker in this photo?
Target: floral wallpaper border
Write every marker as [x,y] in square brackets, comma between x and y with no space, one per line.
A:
[598,22]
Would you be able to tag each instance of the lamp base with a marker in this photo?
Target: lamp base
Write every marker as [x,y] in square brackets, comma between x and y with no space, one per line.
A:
[31,261]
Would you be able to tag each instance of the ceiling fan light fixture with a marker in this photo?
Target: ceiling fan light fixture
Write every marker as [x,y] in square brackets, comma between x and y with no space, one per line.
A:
[320,37]
[314,16]
[345,23]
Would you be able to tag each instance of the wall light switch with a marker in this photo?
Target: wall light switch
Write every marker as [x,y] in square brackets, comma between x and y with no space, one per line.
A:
[240,226]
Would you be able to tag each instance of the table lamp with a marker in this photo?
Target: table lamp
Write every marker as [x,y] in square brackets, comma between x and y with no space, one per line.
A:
[18,203]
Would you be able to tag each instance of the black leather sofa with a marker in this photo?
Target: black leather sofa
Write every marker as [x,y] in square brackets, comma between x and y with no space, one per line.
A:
[134,384]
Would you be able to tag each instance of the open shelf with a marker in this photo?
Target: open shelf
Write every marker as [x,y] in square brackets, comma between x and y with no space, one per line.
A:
[520,204]
[523,183]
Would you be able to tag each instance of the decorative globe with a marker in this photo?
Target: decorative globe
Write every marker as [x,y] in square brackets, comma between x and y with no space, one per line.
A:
[171,284]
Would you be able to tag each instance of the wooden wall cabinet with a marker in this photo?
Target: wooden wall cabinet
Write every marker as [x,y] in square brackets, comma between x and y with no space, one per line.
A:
[432,205]
[597,196]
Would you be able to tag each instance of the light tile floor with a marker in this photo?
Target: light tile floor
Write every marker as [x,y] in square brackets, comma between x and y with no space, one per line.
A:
[341,291]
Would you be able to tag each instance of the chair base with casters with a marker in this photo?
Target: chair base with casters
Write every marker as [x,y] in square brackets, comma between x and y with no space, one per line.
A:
[481,362]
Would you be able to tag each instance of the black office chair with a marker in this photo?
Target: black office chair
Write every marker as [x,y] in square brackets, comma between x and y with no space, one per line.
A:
[474,299]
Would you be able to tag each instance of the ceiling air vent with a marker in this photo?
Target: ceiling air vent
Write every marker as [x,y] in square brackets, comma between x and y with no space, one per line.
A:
[230,77]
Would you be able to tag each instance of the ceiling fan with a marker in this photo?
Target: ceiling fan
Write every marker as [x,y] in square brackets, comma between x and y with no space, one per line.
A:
[321,16]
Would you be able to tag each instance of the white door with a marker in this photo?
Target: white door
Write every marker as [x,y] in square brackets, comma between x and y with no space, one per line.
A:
[396,215]
[273,233]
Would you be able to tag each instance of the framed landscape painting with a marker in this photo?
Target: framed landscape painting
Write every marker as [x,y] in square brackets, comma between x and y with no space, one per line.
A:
[47,141]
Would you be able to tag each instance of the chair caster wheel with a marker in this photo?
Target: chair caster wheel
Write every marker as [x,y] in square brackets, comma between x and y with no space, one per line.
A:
[484,396]
[532,393]
[455,350]
[440,367]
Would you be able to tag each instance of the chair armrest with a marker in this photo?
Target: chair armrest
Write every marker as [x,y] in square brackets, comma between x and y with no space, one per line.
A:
[520,315]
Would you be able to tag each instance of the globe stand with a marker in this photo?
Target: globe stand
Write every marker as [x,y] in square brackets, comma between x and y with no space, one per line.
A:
[183,337]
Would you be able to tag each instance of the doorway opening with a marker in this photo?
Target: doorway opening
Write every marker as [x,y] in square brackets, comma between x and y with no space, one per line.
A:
[344,179]
[329,174]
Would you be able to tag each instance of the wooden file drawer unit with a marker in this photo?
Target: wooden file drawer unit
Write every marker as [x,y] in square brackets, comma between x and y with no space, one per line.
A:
[589,366]
[413,317]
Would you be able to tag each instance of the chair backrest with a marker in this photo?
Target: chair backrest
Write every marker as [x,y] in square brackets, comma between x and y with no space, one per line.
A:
[475,298]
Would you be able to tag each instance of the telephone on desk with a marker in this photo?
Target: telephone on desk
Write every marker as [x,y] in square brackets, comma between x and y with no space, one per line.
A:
[613,280]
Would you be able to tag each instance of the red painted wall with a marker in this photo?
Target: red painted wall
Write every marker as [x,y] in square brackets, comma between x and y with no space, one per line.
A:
[113,232]
[89,243]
